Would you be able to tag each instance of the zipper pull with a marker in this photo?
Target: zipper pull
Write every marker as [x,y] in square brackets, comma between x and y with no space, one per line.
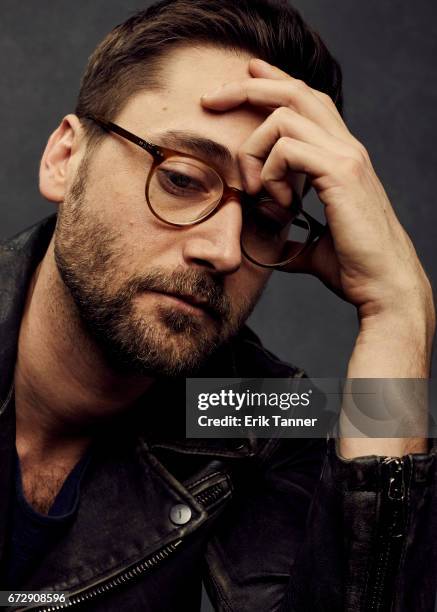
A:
[396,495]
[396,486]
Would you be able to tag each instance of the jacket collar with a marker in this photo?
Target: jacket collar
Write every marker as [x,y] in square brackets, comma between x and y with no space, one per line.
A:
[19,257]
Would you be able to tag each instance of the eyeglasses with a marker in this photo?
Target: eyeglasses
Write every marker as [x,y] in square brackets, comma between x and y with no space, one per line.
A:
[182,190]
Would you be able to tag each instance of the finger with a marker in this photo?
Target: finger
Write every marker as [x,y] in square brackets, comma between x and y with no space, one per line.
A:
[262,69]
[306,261]
[258,68]
[318,259]
[291,154]
[285,122]
[300,264]
[275,93]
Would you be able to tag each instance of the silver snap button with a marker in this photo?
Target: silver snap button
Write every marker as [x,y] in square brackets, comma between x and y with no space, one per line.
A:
[180,514]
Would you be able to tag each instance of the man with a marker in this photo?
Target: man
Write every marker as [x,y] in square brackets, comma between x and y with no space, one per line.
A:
[227,108]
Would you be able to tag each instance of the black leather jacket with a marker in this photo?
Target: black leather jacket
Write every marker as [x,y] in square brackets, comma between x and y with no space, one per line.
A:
[259,520]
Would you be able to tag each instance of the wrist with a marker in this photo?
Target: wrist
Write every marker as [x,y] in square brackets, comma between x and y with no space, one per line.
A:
[395,344]
[406,304]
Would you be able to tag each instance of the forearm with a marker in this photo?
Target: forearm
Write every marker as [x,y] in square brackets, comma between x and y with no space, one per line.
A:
[393,346]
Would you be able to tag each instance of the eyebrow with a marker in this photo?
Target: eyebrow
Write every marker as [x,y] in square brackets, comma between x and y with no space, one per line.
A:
[190,142]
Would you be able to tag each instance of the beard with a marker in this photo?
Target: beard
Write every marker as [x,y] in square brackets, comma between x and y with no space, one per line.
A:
[159,341]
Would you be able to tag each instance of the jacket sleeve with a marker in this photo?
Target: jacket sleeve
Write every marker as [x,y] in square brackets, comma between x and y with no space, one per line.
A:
[309,530]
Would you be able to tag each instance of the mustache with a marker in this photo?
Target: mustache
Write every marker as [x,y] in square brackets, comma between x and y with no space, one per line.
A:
[188,282]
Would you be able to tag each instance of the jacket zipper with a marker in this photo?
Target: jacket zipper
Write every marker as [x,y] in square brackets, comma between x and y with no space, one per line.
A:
[391,536]
[208,496]
[104,586]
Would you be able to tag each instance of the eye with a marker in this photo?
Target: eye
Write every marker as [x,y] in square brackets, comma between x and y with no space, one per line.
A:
[179,180]
[178,183]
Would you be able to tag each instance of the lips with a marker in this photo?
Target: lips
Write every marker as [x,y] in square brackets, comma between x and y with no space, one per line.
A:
[195,301]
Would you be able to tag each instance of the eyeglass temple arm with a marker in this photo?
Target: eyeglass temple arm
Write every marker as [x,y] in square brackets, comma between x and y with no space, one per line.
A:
[108,126]
[316,228]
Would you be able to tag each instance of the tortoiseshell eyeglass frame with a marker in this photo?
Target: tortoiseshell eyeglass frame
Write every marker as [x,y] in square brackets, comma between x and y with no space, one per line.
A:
[160,154]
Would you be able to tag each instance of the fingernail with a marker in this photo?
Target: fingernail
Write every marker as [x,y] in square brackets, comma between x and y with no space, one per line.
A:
[261,61]
[211,94]
[207,97]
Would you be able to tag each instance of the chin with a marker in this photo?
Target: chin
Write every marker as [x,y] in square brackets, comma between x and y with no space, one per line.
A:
[170,345]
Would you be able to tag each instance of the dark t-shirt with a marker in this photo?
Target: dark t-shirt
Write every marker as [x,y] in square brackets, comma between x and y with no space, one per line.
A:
[32,533]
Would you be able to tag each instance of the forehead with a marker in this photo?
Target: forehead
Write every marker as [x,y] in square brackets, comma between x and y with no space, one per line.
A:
[187,74]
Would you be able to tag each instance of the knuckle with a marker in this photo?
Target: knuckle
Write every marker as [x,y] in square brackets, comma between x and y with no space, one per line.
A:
[324,97]
[350,166]
[266,175]
[282,145]
[300,85]
[242,153]
[244,157]
[281,113]
[358,150]
[327,98]
[363,152]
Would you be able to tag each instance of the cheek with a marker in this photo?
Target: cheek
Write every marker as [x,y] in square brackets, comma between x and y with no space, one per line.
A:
[117,202]
[246,285]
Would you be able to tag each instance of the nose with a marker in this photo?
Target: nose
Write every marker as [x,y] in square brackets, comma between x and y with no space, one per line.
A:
[215,243]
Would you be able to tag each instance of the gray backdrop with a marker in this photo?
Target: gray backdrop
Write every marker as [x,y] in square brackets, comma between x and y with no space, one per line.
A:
[388,52]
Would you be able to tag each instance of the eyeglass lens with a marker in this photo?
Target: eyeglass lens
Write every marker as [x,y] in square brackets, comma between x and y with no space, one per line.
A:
[183,190]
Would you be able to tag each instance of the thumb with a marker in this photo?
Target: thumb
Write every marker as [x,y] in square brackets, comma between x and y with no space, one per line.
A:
[300,264]
[319,260]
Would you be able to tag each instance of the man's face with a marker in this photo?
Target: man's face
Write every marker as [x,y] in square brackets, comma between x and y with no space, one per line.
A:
[124,267]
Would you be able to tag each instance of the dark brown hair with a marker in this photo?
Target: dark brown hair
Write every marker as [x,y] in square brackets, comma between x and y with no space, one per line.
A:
[130,58]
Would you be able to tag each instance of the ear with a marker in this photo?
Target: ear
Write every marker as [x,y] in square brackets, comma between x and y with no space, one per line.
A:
[59,159]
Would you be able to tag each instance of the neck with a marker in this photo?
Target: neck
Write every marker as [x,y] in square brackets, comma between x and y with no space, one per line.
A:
[63,384]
